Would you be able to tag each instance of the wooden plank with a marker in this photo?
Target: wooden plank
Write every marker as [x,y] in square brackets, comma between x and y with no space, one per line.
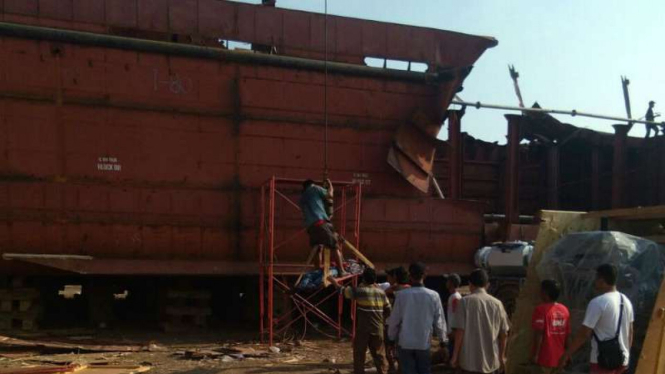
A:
[360,256]
[44,370]
[114,369]
[68,347]
[81,369]
[326,266]
[188,311]
[652,357]
[19,294]
[660,239]
[553,226]
[189,294]
[310,258]
[639,213]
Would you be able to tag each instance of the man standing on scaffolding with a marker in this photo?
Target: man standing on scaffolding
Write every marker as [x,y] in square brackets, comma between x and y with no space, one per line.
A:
[316,207]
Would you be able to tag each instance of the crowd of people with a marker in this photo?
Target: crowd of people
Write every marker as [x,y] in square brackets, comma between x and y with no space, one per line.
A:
[474,339]
[398,321]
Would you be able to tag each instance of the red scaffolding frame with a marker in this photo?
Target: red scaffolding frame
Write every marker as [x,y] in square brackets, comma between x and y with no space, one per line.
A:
[270,269]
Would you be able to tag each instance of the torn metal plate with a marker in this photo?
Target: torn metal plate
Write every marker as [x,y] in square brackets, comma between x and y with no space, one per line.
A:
[413,149]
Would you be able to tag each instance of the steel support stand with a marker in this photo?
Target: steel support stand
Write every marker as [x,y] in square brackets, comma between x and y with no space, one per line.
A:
[456,153]
[512,173]
[619,165]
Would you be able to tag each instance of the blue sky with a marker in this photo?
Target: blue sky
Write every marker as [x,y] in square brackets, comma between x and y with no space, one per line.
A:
[570,53]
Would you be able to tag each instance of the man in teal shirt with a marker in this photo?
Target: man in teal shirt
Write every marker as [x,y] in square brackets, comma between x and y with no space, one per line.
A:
[313,203]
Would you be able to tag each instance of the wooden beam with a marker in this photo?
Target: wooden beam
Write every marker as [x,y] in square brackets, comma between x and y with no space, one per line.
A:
[315,250]
[326,266]
[639,213]
[660,239]
[360,256]
[652,357]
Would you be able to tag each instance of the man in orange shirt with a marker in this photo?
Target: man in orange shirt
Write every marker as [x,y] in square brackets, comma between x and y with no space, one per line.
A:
[551,328]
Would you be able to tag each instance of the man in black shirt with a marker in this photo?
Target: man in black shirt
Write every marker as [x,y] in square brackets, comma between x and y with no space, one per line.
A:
[650,116]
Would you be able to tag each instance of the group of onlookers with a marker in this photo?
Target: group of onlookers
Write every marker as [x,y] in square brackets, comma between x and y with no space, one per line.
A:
[478,329]
[396,321]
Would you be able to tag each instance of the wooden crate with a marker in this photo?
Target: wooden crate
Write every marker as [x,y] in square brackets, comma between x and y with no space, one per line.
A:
[19,308]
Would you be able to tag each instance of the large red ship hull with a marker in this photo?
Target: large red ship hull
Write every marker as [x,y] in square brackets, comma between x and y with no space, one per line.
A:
[151,162]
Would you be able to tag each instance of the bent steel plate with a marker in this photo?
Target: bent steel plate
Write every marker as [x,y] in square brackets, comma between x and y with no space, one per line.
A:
[413,149]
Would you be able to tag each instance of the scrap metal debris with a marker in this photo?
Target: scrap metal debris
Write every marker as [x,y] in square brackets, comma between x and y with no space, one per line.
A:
[226,354]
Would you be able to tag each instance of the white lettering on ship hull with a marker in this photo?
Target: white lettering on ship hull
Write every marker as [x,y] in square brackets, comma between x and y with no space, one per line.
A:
[108,164]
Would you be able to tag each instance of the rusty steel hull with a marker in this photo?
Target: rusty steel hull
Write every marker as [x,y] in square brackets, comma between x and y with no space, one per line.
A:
[128,155]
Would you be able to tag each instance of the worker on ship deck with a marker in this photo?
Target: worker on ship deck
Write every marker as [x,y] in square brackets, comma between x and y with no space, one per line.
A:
[315,203]
[651,116]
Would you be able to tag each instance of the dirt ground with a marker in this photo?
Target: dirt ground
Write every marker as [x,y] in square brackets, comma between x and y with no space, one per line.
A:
[200,353]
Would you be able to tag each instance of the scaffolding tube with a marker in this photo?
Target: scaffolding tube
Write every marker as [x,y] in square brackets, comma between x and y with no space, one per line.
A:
[187,50]
[574,113]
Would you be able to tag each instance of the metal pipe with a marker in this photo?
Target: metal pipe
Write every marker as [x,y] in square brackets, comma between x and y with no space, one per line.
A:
[354,281]
[262,269]
[437,188]
[186,50]
[596,160]
[553,176]
[626,96]
[271,260]
[41,256]
[619,166]
[500,217]
[456,157]
[325,92]
[511,205]
[574,113]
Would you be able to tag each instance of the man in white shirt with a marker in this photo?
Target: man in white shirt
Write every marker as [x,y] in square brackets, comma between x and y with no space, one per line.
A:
[453,281]
[602,319]
[416,317]
[481,329]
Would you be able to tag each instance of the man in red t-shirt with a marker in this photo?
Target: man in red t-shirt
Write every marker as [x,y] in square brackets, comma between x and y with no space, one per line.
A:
[551,327]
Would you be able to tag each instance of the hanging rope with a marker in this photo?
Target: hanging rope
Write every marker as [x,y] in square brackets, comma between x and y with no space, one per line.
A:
[325,90]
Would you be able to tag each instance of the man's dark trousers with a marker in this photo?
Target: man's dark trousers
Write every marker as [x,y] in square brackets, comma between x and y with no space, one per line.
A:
[415,361]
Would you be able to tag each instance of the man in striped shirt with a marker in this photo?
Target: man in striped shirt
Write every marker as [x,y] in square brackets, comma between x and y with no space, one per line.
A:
[373,308]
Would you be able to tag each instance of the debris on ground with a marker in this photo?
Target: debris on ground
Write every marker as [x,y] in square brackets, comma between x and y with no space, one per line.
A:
[234,353]
[196,353]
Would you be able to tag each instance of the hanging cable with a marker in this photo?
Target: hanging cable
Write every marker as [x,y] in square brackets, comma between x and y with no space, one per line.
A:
[325,90]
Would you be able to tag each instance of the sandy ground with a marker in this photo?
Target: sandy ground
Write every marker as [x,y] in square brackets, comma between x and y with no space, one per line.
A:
[191,354]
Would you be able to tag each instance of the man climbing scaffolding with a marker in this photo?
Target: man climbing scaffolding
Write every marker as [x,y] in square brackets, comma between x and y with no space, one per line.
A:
[316,207]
